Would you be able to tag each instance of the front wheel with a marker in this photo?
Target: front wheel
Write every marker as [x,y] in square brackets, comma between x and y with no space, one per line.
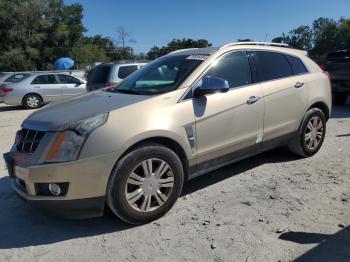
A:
[311,133]
[145,184]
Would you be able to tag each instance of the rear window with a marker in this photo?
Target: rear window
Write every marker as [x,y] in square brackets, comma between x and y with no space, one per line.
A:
[339,55]
[16,78]
[273,65]
[100,74]
[45,79]
[125,71]
[297,65]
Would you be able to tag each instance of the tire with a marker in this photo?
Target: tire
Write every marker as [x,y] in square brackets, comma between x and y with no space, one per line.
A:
[147,204]
[32,101]
[339,98]
[302,144]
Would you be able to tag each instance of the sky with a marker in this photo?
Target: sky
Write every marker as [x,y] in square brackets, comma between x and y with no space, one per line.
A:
[156,22]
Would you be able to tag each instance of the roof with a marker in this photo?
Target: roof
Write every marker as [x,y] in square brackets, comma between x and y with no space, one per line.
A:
[211,50]
[196,51]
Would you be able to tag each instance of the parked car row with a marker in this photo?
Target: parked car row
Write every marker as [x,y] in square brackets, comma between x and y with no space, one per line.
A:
[32,90]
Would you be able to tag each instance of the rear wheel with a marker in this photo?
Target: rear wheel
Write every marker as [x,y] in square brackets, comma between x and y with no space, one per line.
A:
[339,98]
[32,101]
[145,184]
[311,133]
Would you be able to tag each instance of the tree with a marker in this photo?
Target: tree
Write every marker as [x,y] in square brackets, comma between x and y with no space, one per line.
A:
[244,40]
[176,44]
[325,35]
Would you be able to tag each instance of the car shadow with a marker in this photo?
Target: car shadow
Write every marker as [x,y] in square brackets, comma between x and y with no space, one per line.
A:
[273,156]
[334,247]
[23,226]
[11,108]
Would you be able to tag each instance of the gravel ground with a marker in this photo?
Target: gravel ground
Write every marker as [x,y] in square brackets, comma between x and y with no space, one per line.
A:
[273,207]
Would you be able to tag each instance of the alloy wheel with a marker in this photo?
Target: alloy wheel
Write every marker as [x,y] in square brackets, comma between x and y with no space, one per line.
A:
[149,185]
[314,133]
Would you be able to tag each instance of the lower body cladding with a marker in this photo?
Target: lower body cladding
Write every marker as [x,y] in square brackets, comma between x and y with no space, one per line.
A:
[71,189]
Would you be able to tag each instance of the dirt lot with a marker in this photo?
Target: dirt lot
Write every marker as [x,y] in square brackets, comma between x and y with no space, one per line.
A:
[273,207]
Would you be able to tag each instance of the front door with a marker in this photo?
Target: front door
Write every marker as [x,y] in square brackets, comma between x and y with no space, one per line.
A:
[229,125]
[71,86]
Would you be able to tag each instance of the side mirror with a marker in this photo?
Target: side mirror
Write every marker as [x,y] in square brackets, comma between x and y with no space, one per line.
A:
[211,85]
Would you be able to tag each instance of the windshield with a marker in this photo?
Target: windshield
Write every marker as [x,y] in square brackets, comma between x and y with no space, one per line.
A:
[161,76]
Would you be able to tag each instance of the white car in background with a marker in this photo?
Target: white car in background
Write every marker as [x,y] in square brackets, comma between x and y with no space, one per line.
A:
[34,90]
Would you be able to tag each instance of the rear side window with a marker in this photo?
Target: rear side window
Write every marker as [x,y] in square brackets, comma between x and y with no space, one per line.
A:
[16,78]
[100,74]
[125,71]
[297,66]
[273,65]
[45,79]
[234,68]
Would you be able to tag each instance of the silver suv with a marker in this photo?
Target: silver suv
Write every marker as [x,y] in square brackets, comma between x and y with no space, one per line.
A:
[183,115]
[34,90]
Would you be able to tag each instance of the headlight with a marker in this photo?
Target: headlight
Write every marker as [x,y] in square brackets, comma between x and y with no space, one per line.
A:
[69,142]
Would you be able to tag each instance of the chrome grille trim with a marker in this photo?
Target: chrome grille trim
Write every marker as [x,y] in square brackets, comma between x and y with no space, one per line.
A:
[28,140]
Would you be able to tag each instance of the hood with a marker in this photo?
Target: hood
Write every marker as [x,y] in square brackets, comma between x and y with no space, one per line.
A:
[55,116]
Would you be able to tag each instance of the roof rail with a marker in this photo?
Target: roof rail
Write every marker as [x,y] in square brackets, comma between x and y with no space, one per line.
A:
[179,50]
[256,43]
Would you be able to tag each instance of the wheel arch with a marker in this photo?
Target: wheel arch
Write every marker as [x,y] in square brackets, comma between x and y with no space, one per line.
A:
[322,106]
[164,141]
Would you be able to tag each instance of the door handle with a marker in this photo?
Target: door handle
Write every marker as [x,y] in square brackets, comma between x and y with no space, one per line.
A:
[251,100]
[298,84]
[64,86]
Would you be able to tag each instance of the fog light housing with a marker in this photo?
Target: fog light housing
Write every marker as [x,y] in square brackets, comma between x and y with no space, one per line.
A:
[54,189]
[51,189]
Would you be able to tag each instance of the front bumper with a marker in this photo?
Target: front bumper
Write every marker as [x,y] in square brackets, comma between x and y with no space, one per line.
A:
[87,181]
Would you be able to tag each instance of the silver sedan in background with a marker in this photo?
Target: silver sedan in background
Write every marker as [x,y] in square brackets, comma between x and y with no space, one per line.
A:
[35,90]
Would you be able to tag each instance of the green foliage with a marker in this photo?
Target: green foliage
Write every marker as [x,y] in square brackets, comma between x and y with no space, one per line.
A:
[323,36]
[176,44]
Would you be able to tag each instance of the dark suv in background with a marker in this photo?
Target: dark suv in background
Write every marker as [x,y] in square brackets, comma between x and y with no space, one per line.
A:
[337,64]
[111,73]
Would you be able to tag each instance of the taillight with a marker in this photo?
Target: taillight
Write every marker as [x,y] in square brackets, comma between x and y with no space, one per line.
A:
[111,84]
[6,89]
[323,67]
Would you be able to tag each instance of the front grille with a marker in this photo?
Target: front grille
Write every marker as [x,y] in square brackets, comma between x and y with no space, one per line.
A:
[27,140]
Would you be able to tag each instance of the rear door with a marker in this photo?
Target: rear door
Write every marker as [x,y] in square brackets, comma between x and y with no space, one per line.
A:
[285,93]
[71,86]
[48,87]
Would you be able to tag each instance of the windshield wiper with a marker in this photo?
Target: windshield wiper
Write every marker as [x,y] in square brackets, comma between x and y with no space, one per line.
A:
[126,91]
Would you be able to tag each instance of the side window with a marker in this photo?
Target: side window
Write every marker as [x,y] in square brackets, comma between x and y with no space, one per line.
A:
[297,66]
[233,67]
[45,80]
[273,65]
[125,71]
[66,79]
